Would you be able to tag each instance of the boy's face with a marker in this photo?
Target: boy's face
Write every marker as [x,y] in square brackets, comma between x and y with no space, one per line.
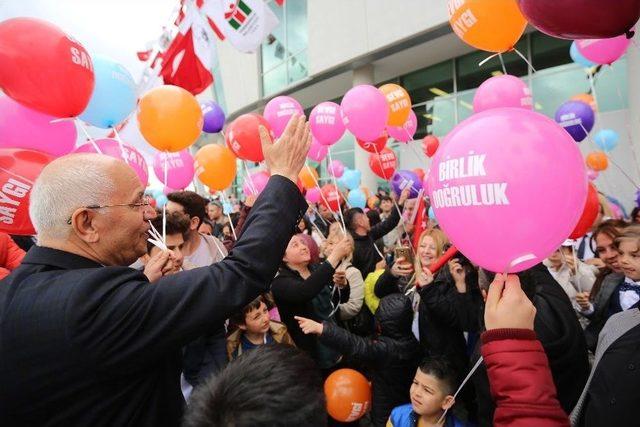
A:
[257,321]
[428,396]
[629,259]
[386,206]
[174,242]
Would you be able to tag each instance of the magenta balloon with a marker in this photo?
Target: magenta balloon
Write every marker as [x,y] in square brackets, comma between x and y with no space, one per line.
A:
[603,51]
[405,132]
[581,19]
[317,151]
[255,184]
[502,91]
[365,112]
[326,123]
[21,127]
[180,168]
[497,173]
[278,112]
[313,195]
[336,168]
[111,147]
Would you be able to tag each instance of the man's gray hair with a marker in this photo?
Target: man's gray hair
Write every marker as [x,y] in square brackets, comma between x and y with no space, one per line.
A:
[65,185]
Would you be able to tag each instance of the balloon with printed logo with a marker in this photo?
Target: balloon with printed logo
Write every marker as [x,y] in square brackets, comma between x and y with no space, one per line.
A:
[326,123]
[254,185]
[332,198]
[180,169]
[589,214]
[375,145]
[215,166]
[43,68]
[581,19]
[607,139]
[494,26]
[309,177]
[22,127]
[317,151]
[212,117]
[587,99]
[313,195]
[399,103]
[430,145]
[19,169]
[406,179]
[348,395]
[597,161]
[126,153]
[365,112]
[278,112]
[351,179]
[497,168]
[336,168]
[578,58]
[357,199]
[604,51]
[170,118]
[243,137]
[405,132]
[383,164]
[577,118]
[502,91]
[114,96]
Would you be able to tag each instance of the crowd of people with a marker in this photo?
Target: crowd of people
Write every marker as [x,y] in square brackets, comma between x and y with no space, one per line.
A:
[237,320]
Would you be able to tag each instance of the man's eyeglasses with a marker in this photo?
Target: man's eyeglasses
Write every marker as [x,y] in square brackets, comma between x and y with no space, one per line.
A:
[144,203]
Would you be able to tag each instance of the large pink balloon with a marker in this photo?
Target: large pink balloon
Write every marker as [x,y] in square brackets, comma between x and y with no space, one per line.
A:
[317,152]
[326,123]
[255,184]
[180,168]
[502,91]
[22,127]
[111,148]
[603,51]
[498,190]
[405,132]
[365,112]
[279,110]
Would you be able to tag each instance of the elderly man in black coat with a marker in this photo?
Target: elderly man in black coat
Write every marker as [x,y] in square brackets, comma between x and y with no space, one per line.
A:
[87,341]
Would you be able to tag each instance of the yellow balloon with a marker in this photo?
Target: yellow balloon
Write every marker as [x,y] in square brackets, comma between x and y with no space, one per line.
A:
[215,166]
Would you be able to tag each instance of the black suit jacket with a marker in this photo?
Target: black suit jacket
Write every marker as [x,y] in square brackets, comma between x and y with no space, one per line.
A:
[86,345]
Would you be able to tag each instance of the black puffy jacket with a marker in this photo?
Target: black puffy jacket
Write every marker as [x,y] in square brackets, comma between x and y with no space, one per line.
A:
[394,356]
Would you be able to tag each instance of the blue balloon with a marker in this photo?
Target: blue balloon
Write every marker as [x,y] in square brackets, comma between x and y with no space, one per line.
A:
[156,192]
[227,208]
[578,58]
[161,200]
[114,95]
[351,179]
[607,139]
[357,199]
[432,214]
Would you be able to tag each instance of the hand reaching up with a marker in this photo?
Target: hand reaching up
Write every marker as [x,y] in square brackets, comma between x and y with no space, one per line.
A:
[507,305]
[286,155]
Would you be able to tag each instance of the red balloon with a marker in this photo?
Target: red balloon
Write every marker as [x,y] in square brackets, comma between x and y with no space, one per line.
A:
[419,172]
[589,215]
[18,171]
[384,164]
[332,197]
[243,137]
[374,146]
[43,68]
[581,19]
[430,145]
[153,202]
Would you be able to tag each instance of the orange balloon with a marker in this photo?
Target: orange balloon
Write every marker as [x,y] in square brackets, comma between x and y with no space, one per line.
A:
[399,103]
[597,160]
[215,166]
[348,395]
[309,177]
[587,99]
[170,118]
[491,25]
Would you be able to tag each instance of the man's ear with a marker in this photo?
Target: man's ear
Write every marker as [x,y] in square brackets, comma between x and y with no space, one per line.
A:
[194,223]
[83,225]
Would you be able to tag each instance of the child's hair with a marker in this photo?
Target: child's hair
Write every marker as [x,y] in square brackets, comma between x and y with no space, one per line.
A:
[239,318]
[443,371]
[631,232]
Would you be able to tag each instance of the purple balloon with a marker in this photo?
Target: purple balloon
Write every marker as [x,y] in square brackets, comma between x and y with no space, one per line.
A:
[213,117]
[577,118]
[404,178]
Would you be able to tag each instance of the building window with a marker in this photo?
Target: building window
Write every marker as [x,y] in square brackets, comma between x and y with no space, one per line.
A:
[284,52]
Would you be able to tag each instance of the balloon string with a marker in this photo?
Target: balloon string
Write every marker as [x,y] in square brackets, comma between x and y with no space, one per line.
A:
[627,126]
[124,156]
[484,61]
[164,207]
[466,379]
[524,58]
[252,186]
[233,229]
[91,140]
[315,181]
[504,68]
[335,184]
